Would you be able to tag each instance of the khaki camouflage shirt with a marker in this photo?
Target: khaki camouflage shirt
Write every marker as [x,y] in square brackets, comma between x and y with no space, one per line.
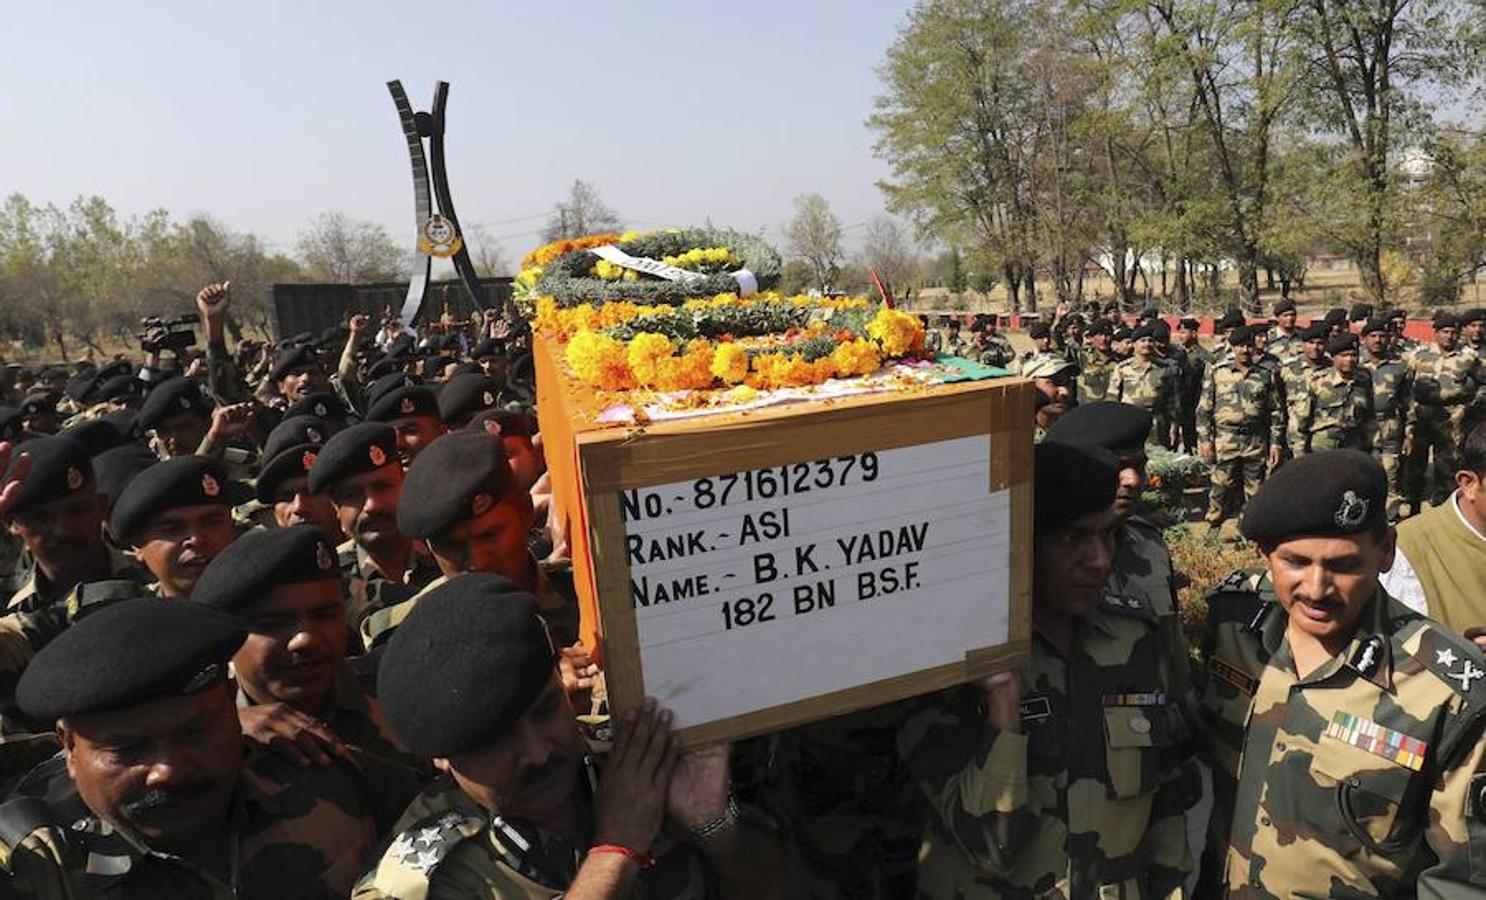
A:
[1445,379]
[1094,376]
[446,847]
[294,832]
[1296,376]
[1362,779]
[993,349]
[1152,386]
[1087,801]
[1338,412]
[1239,402]
[1393,400]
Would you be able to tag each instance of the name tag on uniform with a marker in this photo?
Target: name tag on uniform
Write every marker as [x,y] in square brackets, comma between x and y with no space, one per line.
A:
[1150,698]
[1035,709]
[1368,735]
[1233,675]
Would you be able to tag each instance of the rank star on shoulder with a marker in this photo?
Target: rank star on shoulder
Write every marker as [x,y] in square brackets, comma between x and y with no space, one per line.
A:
[1445,657]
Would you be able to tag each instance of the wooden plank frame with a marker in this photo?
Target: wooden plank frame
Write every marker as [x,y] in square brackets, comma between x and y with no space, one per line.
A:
[592,465]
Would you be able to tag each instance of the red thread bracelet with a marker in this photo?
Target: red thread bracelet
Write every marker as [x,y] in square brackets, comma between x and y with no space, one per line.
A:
[643,860]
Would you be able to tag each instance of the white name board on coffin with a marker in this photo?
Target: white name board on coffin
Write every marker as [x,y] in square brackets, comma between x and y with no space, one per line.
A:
[766,587]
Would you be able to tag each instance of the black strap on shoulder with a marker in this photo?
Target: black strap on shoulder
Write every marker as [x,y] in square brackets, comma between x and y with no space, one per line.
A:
[21,817]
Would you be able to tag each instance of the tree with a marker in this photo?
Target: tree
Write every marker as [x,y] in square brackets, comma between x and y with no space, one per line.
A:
[486,253]
[814,235]
[885,248]
[583,212]
[339,249]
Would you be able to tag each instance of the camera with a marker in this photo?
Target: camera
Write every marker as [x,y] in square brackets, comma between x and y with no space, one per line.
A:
[180,332]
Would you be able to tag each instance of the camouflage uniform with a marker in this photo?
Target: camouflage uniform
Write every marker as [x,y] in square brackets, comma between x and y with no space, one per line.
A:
[1359,780]
[1295,379]
[369,591]
[1444,385]
[1152,386]
[556,601]
[38,591]
[1094,376]
[1338,413]
[1285,346]
[1197,361]
[1087,801]
[1393,387]
[1241,414]
[934,340]
[296,832]
[446,846]
[993,349]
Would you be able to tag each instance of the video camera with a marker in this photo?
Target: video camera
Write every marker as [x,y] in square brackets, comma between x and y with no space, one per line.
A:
[180,332]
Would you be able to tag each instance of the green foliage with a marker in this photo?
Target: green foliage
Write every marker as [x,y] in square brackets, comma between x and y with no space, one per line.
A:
[957,279]
[568,277]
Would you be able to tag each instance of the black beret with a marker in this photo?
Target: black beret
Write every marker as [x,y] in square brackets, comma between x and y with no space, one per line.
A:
[53,373]
[1189,324]
[389,382]
[384,367]
[1335,316]
[1372,325]
[1070,482]
[1327,493]
[174,396]
[321,405]
[1160,330]
[1342,343]
[97,435]
[127,653]
[1231,319]
[1474,314]
[1038,330]
[1284,306]
[508,422]
[1316,331]
[1122,333]
[171,484]
[293,360]
[465,395]
[1144,331]
[402,345]
[1445,320]
[39,404]
[115,468]
[60,466]
[467,662]
[361,448]
[1099,326]
[459,476]
[81,387]
[289,452]
[1113,426]
[487,347]
[1242,336]
[436,365]
[409,400]
[116,368]
[1394,314]
[1360,312]
[264,559]
[1150,312]
[11,420]
[118,387]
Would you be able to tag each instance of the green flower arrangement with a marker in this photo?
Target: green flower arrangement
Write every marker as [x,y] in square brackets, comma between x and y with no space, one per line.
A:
[572,280]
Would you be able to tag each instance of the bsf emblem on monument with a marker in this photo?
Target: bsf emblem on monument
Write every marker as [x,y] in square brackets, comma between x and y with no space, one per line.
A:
[438,237]
[209,486]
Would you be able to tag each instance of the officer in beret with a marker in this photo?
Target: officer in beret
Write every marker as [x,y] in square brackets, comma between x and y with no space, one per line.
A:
[121,392]
[359,471]
[176,416]
[57,514]
[1393,401]
[295,690]
[1338,411]
[1119,342]
[297,373]
[39,413]
[1360,312]
[155,794]
[1240,425]
[325,406]
[519,811]
[413,412]
[1145,382]
[1284,337]
[1345,728]
[283,482]
[1061,779]
[115,468]
[1335,321]
[1098,363]
[465,396]
[1447,378]
[175,517]
[1223,328]
[1295,377]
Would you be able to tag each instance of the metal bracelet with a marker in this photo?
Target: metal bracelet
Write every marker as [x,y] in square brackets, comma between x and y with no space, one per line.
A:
[728,819]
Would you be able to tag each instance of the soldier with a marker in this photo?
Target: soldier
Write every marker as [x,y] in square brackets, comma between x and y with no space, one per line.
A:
[519,811]
[291,672]
[993,349]
[934,337]
[466,396]
[1120,341]
[1062,780]
[1069,339]
[175,417]
[1338,412]
[1446,379]
[1295,379]
[1098,364]
[1053,376]
[359,471]
[1284,338]
[1197,359]
[411,409]
[1335,321]
[1393,386]
[297,374]
[954,342]
[155,795]
[174,518]
[1145,382]
[1403,345]
[1239,422]
[1345,728]
[1359,313]
[57,515]
[284,480]
[1473,328]
[1223,327]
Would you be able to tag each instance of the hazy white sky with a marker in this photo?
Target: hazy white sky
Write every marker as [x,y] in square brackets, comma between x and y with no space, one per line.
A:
[266,113]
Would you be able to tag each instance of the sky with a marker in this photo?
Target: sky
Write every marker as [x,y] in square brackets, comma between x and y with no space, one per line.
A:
[267,113]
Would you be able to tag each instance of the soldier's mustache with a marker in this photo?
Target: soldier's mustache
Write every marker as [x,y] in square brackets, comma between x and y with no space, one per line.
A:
[156,798]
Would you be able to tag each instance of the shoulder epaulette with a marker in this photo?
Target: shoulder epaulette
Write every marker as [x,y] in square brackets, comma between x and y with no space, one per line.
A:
[1239,581]
[1127,605]
[429,841]
[1455,661]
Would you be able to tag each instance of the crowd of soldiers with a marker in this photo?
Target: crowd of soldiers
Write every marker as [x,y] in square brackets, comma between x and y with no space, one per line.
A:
[1265,392]
[297,622]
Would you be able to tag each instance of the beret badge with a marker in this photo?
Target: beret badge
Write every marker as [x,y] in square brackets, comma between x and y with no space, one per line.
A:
[1352,511]
[481,504]
[185,402]
[377,455]
[308,460]
[322,558]
[74,478]
[209,485]
[406,405]
[489,398]
[321,410]
[314,435]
